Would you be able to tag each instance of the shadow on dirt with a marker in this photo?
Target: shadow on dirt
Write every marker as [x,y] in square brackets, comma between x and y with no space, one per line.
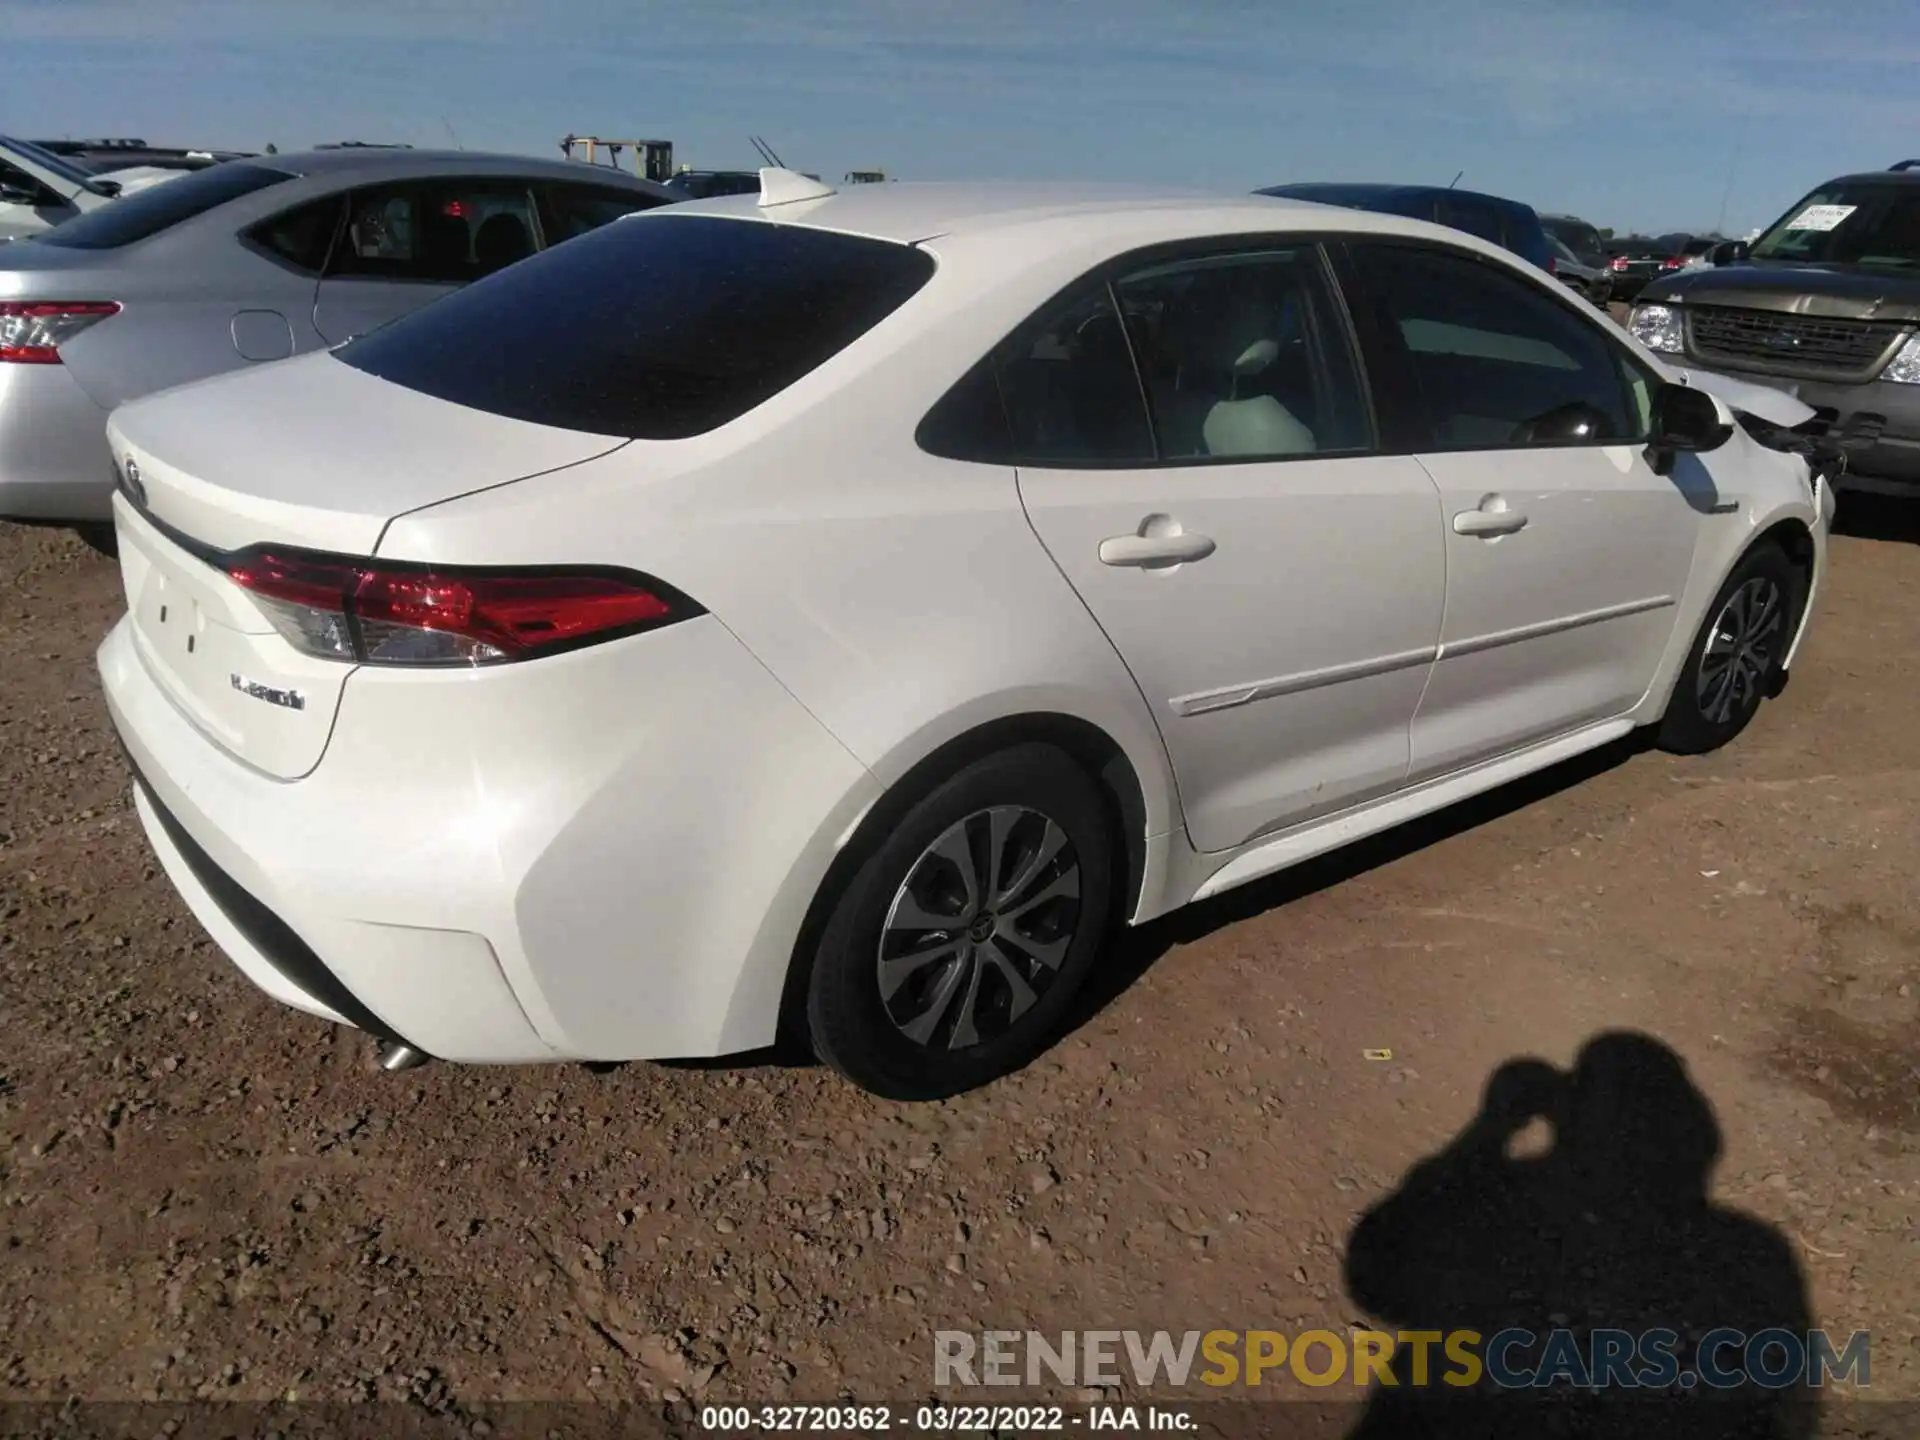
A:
[1865,516]
[1603,1225]
[1136,951]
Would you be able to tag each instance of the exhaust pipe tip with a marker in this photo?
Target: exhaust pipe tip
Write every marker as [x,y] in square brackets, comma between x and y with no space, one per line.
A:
[395,1057]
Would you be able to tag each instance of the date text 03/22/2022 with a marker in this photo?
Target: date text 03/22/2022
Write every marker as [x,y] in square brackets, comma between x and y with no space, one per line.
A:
[937,1419]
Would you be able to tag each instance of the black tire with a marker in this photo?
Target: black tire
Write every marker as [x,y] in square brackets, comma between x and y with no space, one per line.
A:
[99,537]
[1714,700]
[863,1034]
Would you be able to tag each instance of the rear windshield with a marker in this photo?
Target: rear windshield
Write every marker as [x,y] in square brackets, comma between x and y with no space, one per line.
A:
[655,327]
[147,212]
[1575,234]
[1853,224]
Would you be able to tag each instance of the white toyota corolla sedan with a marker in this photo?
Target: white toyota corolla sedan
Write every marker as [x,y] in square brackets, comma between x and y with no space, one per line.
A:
[835,615]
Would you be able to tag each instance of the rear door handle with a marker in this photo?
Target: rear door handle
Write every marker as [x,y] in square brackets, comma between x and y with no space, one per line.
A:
[1149,551]
[1489,524]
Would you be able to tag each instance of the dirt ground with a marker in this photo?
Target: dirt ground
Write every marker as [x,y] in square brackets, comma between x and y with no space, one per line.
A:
[205,1195]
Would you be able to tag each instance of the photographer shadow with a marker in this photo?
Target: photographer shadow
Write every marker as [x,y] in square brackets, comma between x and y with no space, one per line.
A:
[1604,1222]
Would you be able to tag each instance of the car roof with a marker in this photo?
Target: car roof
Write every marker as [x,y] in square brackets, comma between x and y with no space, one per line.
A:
[911,211]
[1373,190]
[373,162]
[1875,177]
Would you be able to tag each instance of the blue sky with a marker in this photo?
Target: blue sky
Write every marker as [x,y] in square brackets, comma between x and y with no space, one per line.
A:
[1635,114]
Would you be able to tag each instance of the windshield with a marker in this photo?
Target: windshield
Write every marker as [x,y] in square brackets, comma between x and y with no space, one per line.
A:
[47,160]
[1852,224]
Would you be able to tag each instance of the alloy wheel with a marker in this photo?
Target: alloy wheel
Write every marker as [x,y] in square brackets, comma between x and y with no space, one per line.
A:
[979,928]
[1740,653]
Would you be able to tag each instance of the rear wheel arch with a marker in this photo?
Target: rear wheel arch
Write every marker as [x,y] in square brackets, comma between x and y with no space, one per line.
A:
[1088,746]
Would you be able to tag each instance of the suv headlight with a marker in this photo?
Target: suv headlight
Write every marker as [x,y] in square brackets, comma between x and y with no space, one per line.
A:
[1658,328]
[1904,368]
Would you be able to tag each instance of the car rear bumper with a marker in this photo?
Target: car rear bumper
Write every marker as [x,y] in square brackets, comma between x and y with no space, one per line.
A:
[54,461]
[607,856]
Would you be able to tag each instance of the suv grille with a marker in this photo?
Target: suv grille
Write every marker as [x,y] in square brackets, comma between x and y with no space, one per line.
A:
[1835,347]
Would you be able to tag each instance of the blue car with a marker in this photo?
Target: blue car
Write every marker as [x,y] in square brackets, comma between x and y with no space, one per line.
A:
[1506,223]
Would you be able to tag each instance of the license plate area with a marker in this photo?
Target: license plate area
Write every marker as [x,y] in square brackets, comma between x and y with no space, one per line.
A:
[215,656]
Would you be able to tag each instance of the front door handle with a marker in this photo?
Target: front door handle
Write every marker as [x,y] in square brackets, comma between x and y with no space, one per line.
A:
[1491,520]
[1150,551]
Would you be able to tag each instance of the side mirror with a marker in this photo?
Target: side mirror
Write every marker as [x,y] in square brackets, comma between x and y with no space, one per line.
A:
[1685,419]
[1727,252]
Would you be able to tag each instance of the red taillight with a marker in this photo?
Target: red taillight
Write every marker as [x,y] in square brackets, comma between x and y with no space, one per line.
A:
[457,209]
[1619,262]
[401,614]
[1674,263]
[32,331]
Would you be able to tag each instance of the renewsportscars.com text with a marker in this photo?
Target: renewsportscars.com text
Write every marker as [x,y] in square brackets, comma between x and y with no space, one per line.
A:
[1513,1359]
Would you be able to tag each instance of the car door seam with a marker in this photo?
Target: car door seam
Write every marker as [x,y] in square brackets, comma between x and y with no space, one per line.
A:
[1153,718]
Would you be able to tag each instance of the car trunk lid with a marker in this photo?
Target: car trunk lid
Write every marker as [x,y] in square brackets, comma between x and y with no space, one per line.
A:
[211,470]
[314,453]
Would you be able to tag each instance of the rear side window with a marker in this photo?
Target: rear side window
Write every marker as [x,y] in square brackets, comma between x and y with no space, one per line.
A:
[1071,389]
[1474,218]
[1242,357]
[146,213]
[302,236]
[570,211]
[654,328]
[1579,238]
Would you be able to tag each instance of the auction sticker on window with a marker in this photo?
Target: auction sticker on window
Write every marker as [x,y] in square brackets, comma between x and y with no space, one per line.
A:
[1821,217]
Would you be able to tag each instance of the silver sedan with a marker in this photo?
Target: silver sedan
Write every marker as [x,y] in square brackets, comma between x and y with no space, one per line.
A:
[244,263]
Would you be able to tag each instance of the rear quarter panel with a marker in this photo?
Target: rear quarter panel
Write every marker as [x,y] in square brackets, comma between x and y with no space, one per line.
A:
[175,328]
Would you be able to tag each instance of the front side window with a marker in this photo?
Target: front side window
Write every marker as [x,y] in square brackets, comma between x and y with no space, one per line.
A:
[146,213]
[653,328]
[1244,356]
[1498,363]
[439,232]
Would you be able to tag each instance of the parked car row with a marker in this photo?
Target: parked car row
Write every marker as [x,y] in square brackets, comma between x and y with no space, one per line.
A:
[835,614]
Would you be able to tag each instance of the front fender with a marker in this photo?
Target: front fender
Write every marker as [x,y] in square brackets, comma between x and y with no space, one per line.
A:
[1775,490]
